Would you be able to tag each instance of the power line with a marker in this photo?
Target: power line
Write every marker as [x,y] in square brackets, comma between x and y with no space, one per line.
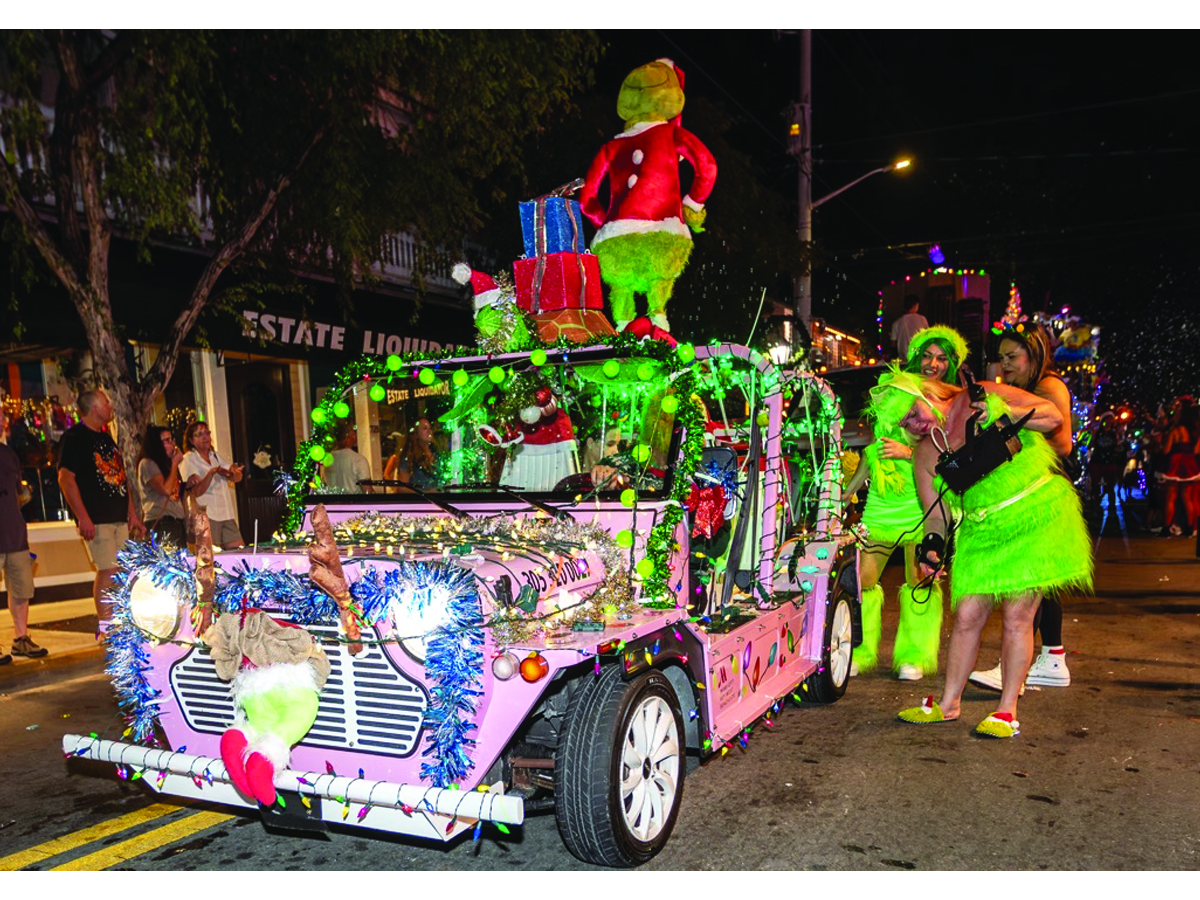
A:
[1003,119]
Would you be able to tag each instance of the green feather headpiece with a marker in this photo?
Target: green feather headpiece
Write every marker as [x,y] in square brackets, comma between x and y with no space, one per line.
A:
[951,342]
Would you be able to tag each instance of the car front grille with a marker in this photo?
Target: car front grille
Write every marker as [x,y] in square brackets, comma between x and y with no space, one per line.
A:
[367,705]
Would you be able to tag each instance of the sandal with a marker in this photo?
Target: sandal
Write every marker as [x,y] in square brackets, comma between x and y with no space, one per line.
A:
[926,714]
[998,725]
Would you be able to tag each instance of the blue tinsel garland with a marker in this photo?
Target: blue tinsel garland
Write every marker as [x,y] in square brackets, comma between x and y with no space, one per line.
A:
[128,655]
[454,661]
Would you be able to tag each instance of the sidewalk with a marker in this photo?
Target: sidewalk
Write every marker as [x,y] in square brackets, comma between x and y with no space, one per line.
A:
[66,628]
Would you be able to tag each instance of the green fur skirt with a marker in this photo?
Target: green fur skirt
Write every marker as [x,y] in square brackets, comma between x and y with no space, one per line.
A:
[1039,543]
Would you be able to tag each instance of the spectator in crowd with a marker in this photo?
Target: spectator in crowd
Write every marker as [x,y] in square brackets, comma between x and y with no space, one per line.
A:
[418,462]
[907,325]
[348,466]
[16,568]
[91,475]
[159,484]
[1181,445]
[210,483]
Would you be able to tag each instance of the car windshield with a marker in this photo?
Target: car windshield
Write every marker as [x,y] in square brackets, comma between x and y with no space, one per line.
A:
[596,422]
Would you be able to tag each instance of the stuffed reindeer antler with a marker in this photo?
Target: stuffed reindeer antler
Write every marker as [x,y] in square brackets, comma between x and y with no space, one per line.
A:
[326,573]
[206,572]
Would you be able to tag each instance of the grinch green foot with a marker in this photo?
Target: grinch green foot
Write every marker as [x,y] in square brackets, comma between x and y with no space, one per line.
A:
[926,714]
[998,725]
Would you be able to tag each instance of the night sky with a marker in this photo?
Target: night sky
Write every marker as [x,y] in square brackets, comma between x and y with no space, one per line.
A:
[1065,160]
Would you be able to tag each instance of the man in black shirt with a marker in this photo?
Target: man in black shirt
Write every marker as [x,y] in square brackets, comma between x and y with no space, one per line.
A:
[91,474]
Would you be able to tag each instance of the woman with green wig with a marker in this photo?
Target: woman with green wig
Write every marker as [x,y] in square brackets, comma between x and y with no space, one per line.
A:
[893,517]
[1020,534]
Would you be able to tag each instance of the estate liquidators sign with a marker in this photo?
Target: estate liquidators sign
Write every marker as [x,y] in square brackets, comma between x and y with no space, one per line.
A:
[284,330]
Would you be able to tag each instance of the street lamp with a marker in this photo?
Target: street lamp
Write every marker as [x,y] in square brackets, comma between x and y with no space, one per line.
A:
[804,282]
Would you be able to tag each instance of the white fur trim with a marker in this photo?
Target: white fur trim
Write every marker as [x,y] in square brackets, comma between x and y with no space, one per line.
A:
[486,298]
[640,226]
[258,681]
[622,325]
[661,322]
[276,751]
[461,273]
[639,128]
[692,204]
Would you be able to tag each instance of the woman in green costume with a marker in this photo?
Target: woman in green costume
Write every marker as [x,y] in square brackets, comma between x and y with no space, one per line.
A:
[893,517]
[1021,531]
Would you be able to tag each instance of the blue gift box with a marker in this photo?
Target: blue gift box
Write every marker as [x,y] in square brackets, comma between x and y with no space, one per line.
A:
[561,236]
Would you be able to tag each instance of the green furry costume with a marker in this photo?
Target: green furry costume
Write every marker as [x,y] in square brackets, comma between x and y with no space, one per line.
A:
[893,512]
[642,263]
[1038,542]
[1021,528]
[952,343]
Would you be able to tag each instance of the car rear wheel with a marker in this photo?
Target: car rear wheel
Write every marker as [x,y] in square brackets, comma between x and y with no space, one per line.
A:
[619,771]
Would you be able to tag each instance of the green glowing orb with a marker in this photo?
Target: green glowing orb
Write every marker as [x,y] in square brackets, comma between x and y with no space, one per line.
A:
[341,409]
[377,393]
[538,357]
[645,371]
[625,539]
[318,416]
[460,378]
[316,453]
[645,567]
[394,363]
[628,497]
[495,374]
[641,453]
[670,404]
[611,369]
[427,376]
[686,353]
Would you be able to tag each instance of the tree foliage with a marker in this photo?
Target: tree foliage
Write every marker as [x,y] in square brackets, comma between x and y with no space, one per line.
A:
[292,149]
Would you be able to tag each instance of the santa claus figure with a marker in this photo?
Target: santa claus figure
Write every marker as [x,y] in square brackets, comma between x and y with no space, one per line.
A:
[547,452]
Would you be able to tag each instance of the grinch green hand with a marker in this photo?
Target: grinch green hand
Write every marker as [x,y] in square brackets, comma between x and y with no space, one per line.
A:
[695,218]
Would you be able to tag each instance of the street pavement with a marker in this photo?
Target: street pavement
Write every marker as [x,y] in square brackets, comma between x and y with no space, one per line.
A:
[1105,774]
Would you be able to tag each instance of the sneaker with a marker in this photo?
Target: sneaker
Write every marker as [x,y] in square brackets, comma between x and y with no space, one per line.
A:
[991,678]
[909,672]
[23,646]
[1048,670]
[5,659]
[1176,530]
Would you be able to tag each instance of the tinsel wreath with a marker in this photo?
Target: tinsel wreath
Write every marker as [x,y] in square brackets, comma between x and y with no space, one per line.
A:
[128,656]
[454,662]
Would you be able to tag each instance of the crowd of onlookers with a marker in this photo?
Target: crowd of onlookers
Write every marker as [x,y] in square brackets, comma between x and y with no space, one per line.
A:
[1151,458]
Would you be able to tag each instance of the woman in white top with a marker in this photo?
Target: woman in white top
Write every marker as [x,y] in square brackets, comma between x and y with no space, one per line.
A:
[208,482]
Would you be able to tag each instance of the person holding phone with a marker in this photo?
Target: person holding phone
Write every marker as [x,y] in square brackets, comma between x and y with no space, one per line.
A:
[210,481]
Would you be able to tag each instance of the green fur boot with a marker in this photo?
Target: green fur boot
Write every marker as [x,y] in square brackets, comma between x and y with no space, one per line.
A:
[866,654]
[919,632]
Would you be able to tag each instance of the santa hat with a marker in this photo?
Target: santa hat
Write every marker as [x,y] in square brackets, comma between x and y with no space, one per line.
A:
[678,74]
[486,290]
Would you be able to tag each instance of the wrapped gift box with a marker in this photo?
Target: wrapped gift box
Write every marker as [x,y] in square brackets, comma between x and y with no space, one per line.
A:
[563,228]
[563,284]
[576,325]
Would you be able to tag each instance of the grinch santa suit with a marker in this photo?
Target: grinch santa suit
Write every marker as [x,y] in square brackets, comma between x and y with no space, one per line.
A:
[643,242]
[547,452]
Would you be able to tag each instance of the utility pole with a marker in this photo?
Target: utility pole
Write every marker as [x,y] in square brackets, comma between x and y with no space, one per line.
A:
[800,145]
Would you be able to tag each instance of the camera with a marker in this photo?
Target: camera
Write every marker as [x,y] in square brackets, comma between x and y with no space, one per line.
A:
[985,449]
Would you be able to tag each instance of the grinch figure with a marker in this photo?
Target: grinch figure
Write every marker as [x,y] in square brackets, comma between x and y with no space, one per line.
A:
[499,323]
[643,241]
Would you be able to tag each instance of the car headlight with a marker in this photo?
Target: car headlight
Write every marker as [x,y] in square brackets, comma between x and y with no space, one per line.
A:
[417,613]
[153,609]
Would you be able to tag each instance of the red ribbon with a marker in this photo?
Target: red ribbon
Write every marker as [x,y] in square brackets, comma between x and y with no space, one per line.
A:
[708,503]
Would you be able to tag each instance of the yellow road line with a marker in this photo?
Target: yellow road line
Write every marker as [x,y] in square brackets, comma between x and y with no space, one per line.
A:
[69,842]
[151,840]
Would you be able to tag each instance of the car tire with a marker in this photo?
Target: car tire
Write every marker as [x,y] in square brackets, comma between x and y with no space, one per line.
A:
[619,769]
[828,683]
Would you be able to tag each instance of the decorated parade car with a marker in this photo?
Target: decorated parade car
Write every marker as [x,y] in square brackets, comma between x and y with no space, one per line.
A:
[594,581]
[580,554]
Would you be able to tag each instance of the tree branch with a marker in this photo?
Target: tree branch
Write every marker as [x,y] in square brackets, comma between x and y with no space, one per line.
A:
[37,232]
[164,365]
[114,53]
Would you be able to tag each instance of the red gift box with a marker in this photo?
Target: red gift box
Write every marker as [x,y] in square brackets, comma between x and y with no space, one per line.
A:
[563,285]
